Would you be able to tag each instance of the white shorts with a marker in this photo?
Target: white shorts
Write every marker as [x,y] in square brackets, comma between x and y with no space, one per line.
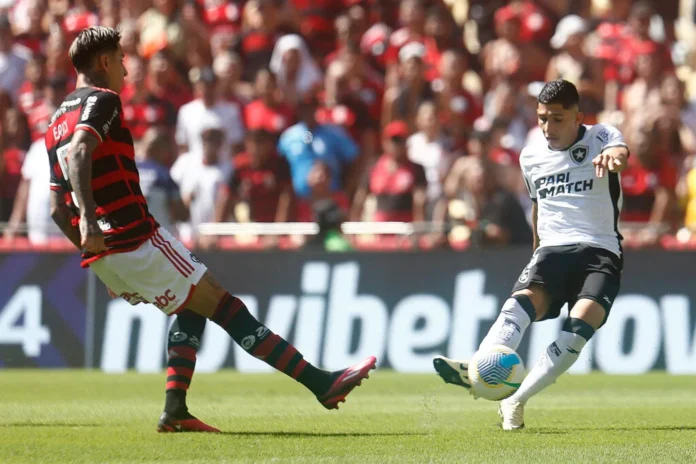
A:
[161,271]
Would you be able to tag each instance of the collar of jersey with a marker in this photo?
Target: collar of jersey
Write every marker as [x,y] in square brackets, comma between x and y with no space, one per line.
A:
[581,134]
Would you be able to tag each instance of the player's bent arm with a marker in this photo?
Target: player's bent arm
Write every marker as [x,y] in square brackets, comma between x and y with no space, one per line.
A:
[62,216]
[80,171]
[620,156]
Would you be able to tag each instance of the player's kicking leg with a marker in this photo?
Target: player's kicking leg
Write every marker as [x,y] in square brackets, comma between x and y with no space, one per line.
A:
[518,312]
[229,312]
[162,271]
[585,318]
[183,342]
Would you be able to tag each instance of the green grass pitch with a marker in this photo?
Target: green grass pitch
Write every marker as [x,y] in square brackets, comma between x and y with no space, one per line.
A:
[78,416]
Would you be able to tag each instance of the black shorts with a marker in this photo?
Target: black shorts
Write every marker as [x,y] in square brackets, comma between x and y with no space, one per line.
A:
[571,272]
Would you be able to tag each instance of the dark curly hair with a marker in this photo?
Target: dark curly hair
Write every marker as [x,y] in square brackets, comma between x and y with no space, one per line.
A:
[560,92]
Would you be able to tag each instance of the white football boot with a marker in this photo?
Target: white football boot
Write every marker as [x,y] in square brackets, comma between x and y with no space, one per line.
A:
[453,371]
[512,414]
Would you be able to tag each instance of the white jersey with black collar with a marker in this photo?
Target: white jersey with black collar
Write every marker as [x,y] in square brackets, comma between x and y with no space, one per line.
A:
[574,205]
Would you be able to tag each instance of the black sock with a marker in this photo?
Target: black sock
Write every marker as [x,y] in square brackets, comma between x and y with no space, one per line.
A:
[182,347]
[257,339]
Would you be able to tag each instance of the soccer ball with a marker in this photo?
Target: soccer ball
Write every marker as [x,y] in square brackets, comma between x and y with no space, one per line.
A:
[495,372]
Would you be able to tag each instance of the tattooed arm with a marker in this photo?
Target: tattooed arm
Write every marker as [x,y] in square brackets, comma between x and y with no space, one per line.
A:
[62,216]
[80,174]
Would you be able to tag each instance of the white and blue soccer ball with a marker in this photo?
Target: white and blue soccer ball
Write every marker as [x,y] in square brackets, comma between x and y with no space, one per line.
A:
[495,372]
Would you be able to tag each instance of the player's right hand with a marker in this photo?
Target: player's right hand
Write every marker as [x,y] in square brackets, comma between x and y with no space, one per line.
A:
[91,236]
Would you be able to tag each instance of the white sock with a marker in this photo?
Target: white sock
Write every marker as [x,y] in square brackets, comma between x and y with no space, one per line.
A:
[509,328]
[557,359]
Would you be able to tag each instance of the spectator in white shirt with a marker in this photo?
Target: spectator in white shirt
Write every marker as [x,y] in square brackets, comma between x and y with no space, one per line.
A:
[429,147]
[33,198]
[201,180]
[208,104]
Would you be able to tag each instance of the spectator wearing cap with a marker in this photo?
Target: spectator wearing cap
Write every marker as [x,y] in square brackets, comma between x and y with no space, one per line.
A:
[261,181]
[13,60]
[55,91]
[268,112]
[401,102]
[308,142]
[297,72]
[159,189]
[397,184]
[457,107]
[576,66]
[207,105]
[142,109]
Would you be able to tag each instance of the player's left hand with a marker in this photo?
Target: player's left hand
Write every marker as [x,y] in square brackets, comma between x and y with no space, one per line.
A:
[605,162]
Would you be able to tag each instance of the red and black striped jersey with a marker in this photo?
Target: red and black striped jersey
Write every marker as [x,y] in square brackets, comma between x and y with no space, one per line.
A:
[121,208]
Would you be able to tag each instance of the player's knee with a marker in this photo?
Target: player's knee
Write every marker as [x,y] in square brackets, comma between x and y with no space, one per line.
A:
[207,296]
[578,327]
[527,305]
[534,298]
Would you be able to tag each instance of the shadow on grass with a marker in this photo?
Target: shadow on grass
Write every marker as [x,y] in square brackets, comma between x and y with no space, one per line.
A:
[48,425]
[320,434]
[647,428]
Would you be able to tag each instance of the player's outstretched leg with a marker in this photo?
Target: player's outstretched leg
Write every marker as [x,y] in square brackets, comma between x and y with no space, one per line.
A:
[515,317]
[585,317]
[230,313]
[182,345]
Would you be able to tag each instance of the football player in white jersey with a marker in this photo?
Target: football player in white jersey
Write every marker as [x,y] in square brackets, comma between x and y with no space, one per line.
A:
[573,180]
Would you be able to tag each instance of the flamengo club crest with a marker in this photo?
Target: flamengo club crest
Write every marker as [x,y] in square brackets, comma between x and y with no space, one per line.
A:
[578,154]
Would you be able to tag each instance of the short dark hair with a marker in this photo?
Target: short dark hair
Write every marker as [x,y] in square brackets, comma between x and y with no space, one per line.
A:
[559,91]
[92,42]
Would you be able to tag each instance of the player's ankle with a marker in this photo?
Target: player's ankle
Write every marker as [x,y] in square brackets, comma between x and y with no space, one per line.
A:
[175,402]
[318,381]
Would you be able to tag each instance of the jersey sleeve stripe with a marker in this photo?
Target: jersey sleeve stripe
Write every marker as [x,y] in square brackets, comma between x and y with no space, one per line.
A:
[88,128]
[614,145]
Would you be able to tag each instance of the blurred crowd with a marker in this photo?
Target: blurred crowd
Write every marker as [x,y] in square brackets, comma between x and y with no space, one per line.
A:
[326,111]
